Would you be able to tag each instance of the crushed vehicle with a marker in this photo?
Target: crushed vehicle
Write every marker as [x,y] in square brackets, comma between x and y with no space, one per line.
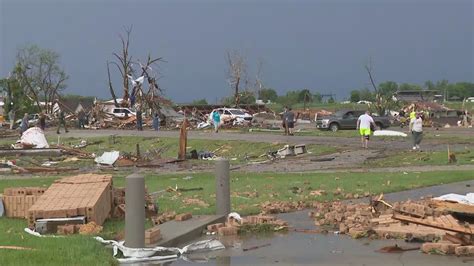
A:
[347,119]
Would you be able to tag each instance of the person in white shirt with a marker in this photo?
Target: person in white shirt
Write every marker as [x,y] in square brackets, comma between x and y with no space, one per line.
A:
[363,125]
[416,129]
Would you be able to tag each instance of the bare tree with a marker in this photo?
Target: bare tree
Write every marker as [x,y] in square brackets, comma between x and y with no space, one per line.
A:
[39,72]
[153,87]
[124,65]
[258,78]
[381,102]
[236,72]
[126,68]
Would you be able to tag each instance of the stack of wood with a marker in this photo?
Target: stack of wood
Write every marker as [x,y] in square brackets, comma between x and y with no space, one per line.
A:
[448,224]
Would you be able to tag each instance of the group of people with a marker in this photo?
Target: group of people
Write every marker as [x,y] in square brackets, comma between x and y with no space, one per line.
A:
[139,121]
[41,122]
[366,124]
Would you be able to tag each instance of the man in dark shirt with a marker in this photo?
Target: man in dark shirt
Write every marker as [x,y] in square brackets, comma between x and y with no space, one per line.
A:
[139,120]
[62,121]
[284,120]
[290,121]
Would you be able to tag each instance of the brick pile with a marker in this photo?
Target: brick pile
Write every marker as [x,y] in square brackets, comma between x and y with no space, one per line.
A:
[410,220]
[274,207]
[17,201]
[88,195]
[232,226]
[118,208]
[152,235]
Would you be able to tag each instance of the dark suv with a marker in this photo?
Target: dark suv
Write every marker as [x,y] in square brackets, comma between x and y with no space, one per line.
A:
[347,119]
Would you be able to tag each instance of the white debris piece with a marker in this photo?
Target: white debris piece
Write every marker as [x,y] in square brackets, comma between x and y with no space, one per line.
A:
[34,137]
[464,199]
[390,133]
[133,255]
[108,158]
[235,215]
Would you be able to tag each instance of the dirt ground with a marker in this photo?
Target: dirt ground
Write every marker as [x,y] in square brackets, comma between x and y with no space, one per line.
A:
[349,157]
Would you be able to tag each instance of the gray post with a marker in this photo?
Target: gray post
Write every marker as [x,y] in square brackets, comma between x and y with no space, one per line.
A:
[222,187]
[135,211]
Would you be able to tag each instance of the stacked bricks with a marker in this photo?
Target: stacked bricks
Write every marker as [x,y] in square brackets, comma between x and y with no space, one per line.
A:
[183,217]
[152,235]
[88,195]
[69,229]
[17,201]
[118,203]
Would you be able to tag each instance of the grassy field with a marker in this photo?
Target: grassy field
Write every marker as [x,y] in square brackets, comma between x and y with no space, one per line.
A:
[248,192]
[422,158]
[237,151]
[71,250]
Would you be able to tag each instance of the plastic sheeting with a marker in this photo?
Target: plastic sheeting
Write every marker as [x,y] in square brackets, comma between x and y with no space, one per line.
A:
[133,255]
[391,133]
[108,158]
[464,199]
[34,137]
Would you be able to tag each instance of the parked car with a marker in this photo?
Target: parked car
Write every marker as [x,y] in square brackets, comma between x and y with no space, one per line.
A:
[32,119]
[347,119]
[228,114]
[364,102]
[470,99]
[122,112]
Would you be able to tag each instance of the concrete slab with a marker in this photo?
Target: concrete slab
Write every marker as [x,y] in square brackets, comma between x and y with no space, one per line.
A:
[175,233]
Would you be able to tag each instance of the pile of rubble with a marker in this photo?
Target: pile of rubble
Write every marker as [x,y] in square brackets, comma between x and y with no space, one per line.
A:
[274,207]
[234,224]
[446,227]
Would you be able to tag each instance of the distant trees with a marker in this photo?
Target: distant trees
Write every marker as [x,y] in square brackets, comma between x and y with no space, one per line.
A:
[15,97]
[200,102]
[267,95]
[39,74]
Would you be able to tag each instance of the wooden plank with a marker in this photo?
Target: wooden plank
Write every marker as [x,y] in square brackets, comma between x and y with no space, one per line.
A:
[453,206]
[435,223]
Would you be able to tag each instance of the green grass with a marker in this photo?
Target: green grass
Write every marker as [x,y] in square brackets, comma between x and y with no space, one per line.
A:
[249,190]
[269,186]
[238,151]
[422,158]
[71,250]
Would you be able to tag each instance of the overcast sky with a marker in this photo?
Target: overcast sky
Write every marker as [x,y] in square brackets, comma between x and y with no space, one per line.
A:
[320,45]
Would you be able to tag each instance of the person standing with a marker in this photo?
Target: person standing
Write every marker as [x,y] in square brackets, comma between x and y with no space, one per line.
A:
[156,121]
[290,121]
[216,119]
[11,116]
[42,121]
[284,119]
[62,121]
[81,117]
[24,124]
[416,129]
[364,124]
[139,120]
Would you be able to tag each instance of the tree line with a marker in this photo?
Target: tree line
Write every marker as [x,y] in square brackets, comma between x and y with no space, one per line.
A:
[450,91]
